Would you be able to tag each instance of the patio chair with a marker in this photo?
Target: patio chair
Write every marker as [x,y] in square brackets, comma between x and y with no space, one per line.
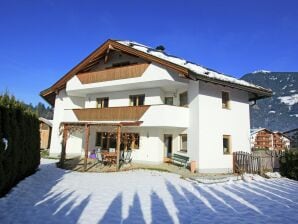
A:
[99,157]
[127,159]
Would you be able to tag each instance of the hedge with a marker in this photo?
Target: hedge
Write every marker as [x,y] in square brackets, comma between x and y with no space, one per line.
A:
[21,128]
[289,164]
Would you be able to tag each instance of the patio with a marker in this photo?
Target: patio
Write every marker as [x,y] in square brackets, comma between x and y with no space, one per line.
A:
[77,164]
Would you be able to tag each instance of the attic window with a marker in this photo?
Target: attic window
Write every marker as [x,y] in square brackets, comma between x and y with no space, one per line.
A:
[225,100]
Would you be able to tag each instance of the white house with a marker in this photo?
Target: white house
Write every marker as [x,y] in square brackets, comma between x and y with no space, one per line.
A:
[164,105]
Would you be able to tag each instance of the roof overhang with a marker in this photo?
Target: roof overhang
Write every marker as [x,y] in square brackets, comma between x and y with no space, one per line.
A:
[256,93]
[50,93]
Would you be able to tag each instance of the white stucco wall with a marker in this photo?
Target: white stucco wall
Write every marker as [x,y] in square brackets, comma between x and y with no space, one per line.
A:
[214,122]
[151,150]
[62,102]
[121,98]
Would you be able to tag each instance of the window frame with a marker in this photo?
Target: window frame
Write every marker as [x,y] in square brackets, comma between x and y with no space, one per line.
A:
[225,101]
[137,96]
[181,143]
[169,97]
[101,101]
[180,102]
[105,142]
[229,149]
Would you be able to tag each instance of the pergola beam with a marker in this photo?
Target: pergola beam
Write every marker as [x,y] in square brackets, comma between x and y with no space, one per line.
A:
[87,134]
[63,150]
[69,126]
[118,147]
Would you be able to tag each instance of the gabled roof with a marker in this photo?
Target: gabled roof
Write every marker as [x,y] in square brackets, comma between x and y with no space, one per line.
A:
[186,68]
[256,130]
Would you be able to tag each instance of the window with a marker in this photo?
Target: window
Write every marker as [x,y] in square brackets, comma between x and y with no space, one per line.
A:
[225,96]
[183,99]
[169,100]
[134,140]
[102,102]
[107,140]
[226,144]
[137,100]
[98,141]
[183,143]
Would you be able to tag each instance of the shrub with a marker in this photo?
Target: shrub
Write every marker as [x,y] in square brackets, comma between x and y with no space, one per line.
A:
[21,128]
[289,164]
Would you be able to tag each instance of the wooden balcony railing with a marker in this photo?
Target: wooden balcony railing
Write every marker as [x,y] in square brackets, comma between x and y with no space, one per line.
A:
[131,113]
[125,72]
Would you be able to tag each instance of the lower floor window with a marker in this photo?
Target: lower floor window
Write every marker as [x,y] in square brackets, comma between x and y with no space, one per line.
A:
[226,144]
[107,140]
[183,143]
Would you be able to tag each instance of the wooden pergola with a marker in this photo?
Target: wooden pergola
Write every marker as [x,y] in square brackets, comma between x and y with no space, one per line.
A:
[68,127]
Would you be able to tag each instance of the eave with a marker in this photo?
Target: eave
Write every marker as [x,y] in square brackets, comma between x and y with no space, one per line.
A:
[50,93]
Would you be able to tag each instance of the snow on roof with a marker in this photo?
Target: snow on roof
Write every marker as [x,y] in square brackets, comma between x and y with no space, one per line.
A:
[46,121]
[195,68]
[256,130]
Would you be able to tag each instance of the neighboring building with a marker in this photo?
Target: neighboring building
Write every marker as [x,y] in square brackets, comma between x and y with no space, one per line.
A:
[263,138]
[163,104]
[45,129]
[293,135]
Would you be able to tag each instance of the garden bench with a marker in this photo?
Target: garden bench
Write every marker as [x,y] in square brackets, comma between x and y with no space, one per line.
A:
[177,158]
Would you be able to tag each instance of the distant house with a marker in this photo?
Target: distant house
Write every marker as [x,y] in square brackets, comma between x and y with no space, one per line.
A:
[263,138]
[45,128]
[293,135]
[127,94]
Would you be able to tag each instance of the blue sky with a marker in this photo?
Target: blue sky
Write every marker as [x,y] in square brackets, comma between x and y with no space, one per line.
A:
[43,39]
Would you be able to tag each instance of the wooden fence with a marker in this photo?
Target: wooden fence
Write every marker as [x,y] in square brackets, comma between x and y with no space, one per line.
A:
[256,162]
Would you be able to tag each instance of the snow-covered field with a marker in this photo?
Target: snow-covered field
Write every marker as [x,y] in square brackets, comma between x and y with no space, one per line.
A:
[53,195]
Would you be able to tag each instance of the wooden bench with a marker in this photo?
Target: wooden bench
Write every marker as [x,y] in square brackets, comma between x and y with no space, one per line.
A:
[177,158]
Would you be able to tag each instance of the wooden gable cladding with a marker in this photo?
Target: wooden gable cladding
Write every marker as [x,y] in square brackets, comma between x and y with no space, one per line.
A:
[125,72]
[131,113]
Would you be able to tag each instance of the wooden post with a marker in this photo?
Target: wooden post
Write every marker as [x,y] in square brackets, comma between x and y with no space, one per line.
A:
[118,146]
[87,134]
[63,150]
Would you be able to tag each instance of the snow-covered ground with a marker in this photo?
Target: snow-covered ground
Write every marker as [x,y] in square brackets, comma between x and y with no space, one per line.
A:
[53,195]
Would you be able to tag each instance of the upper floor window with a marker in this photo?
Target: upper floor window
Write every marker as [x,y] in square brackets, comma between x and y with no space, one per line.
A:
[183,99]
[169,100]
[102,102]
[137,100]
[225,97]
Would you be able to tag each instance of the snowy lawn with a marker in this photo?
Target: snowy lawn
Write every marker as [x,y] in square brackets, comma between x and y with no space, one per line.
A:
[54,195]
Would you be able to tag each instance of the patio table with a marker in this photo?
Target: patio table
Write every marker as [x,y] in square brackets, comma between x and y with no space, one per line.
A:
[110,157]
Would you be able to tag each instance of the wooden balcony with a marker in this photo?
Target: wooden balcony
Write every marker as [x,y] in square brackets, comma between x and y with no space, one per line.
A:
[125,72]
[131,113]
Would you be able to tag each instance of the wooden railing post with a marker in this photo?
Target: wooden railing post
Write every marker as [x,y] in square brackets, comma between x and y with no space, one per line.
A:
[87,134]
[63,149]
[118,146]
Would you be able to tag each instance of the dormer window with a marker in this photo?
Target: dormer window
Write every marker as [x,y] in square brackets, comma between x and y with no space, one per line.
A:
[137,100]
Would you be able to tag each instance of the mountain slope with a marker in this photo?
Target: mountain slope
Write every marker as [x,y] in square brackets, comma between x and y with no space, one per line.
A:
[280,112]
